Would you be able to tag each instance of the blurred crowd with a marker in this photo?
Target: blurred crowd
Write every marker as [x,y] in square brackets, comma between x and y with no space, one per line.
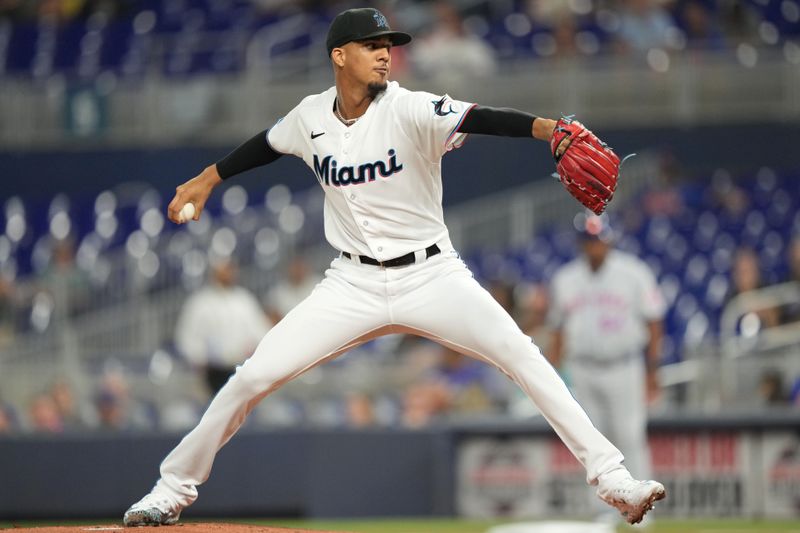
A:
[428,382]
[60,408]
[396,381]
[455,37]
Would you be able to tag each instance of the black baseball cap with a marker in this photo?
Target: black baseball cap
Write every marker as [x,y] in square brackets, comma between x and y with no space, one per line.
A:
[360,24]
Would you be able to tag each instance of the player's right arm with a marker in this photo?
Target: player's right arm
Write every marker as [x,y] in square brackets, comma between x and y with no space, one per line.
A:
[253,153]
[261,149]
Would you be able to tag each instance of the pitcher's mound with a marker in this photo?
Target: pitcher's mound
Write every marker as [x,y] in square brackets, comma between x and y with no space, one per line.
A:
[189,527]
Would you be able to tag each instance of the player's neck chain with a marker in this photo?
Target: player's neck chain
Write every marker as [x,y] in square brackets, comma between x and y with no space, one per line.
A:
[345,121]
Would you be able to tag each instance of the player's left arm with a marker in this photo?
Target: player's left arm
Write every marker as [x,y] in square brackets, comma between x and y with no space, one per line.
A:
[506,122]
[586,166]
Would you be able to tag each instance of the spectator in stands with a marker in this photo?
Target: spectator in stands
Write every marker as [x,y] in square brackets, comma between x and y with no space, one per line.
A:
[565,33]
[794,394]
[8,312]
[7,421]
[456,385]
[728,196]
[700,25]
[117,409]
[791,313]
[10,10]
[110,410]
[793,259]
[68,407]
[560,18]
[746,276]
[450,51]
[471,384]
[43,415]
[533,308]
[423,403]
[771,391]
[220,325]
[360,410]
[739,19]
[65,282]
[644,25]
[663,196]
[606,312]
[59,11]
[298,283]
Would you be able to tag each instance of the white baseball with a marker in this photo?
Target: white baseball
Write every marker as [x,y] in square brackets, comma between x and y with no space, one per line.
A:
[187,213]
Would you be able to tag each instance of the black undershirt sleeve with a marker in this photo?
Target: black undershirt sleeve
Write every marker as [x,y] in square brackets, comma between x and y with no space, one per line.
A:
[253,153]
[501,121]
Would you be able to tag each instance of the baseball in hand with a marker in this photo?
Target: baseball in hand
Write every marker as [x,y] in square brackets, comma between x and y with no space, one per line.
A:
[186,214]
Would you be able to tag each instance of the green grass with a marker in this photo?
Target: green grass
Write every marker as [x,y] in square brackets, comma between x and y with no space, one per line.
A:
[464,526]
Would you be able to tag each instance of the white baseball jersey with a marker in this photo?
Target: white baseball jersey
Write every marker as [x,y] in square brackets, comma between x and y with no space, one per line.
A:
[604,314]
[374,171]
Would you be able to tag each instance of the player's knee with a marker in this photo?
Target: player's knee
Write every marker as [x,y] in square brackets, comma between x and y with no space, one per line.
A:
[516,351]
[254,381]
[516,347]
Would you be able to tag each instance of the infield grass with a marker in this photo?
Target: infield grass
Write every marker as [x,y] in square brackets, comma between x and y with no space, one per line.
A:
[450,526]
[464,526]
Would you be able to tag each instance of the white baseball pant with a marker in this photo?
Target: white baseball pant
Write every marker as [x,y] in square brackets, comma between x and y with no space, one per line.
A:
[437,298]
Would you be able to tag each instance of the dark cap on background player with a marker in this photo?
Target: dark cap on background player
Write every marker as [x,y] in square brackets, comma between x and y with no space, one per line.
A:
[360,24]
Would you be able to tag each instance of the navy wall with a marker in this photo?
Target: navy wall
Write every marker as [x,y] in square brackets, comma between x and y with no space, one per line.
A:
[483,165]
[298,473]
[283,473]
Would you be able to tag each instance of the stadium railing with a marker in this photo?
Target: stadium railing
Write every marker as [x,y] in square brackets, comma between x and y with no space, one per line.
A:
[748,347]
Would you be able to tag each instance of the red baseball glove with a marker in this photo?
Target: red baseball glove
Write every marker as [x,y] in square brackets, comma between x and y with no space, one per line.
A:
[586,166]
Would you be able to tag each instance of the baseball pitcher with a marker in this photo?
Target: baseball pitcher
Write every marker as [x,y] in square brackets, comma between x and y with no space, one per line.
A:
[375,148]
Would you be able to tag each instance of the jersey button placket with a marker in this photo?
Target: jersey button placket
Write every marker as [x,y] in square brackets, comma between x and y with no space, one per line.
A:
[346,143]
[347,139]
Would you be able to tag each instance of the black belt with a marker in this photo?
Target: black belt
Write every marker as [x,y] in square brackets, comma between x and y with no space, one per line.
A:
[403,260]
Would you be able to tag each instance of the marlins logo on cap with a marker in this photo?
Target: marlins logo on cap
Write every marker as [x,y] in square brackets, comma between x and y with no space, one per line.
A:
[361,24]
[380,20]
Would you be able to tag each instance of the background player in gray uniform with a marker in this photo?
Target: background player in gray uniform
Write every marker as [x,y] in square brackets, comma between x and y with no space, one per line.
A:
[376,150]
[606,314]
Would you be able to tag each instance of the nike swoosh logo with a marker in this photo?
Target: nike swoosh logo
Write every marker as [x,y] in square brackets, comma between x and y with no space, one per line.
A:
[315,135]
